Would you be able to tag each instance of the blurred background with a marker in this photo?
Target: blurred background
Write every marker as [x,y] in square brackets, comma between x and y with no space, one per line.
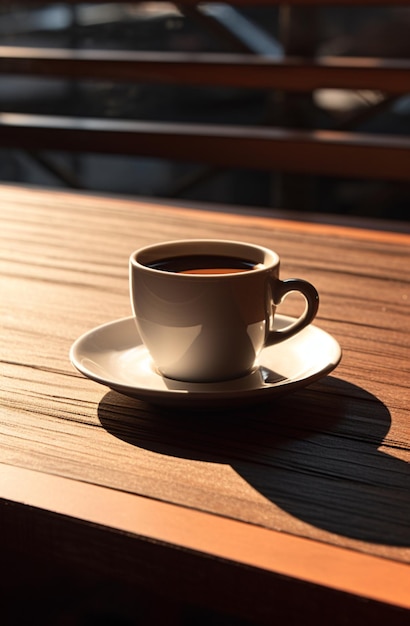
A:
[168,27]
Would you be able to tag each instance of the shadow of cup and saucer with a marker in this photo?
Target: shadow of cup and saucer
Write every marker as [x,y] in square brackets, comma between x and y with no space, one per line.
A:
[313,453]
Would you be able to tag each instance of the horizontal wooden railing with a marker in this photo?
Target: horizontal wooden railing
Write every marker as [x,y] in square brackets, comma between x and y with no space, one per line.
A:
[335,153]
[232,70]
[308,152]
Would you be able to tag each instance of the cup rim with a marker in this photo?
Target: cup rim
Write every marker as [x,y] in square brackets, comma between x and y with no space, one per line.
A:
[141,257]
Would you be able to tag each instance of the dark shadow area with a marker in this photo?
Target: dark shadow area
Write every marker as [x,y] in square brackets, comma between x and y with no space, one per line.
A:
[57,596]
[313,453]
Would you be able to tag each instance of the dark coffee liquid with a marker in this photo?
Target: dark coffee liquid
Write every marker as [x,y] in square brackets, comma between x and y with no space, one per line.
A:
[204,264]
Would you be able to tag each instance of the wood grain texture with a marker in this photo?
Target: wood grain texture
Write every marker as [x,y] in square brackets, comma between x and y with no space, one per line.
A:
[329,463]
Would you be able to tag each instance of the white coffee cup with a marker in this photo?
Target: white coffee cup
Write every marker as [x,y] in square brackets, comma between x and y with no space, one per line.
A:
[210,325]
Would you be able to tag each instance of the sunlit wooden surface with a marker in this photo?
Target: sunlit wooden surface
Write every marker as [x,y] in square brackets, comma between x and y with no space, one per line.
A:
[291,509]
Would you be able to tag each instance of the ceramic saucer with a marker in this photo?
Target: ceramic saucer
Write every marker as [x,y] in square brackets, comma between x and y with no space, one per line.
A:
[113,355]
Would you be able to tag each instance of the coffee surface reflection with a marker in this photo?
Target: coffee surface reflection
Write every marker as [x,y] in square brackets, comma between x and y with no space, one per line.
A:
[204,264]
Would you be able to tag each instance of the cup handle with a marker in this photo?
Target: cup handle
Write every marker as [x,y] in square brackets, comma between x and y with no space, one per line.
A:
[280,289]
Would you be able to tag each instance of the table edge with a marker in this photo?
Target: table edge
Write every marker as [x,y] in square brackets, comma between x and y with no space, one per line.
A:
[341,569]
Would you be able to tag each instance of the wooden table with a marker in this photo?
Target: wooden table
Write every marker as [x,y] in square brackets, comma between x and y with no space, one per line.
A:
[293,512]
